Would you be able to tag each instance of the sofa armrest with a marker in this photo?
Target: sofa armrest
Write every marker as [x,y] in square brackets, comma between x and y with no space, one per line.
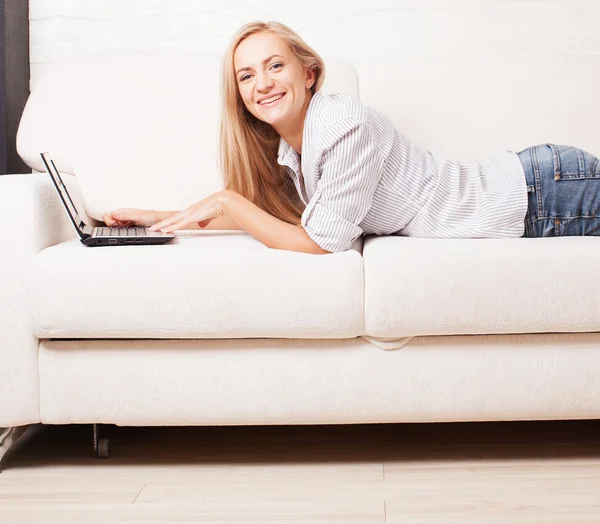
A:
[32,219]
[32,213]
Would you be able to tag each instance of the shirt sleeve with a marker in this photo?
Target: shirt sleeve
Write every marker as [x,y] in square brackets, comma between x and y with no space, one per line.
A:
[350,171]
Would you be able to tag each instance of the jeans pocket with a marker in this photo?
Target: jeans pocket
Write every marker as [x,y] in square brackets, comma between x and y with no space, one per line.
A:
[572,163]
[570,184]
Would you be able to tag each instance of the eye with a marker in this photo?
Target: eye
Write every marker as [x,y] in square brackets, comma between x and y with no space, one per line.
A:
[248,76]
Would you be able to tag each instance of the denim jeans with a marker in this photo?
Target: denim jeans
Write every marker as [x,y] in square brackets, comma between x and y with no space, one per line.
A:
[563,191]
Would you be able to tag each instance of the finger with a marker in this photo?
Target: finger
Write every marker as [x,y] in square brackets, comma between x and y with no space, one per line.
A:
[116,218]
[179,225]
[167,221]
[174,227]
[156,226]
[170,222]
[119,215]
[185,223]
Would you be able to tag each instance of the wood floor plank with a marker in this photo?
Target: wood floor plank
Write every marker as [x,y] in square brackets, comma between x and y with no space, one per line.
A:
[492,504]
[115,514]
[29,492]
[327,500]
[210,473]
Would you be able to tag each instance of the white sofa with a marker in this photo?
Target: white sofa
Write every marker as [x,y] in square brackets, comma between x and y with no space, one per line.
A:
[214,328]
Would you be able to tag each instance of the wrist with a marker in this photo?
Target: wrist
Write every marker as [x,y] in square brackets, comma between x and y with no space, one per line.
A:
[227,198]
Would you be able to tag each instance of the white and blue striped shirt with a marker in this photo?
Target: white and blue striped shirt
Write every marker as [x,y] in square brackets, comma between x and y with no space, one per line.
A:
[358,175]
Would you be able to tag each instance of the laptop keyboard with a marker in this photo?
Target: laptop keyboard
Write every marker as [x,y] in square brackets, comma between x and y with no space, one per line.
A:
[120,232]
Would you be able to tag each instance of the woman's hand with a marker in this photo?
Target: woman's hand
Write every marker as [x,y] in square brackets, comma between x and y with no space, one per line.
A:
[202,213]
[127,217]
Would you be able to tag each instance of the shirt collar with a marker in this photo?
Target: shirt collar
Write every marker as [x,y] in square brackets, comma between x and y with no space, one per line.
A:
[286,151]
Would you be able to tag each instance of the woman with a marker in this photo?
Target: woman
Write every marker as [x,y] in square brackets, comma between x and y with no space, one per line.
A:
[311,173]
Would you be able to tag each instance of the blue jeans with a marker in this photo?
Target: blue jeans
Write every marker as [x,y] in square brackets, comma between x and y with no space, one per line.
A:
[563,191]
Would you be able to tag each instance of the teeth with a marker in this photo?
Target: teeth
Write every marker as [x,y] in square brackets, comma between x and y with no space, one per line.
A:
[270,99]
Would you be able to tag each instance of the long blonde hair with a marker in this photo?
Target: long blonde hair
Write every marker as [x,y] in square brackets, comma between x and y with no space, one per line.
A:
[249,146]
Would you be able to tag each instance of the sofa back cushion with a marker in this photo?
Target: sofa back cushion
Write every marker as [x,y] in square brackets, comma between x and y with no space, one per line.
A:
[138,129]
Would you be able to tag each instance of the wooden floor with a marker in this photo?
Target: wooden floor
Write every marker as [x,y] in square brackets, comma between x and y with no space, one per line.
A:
[544,472]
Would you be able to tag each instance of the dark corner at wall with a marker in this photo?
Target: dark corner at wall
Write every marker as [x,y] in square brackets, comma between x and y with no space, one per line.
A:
[14,80]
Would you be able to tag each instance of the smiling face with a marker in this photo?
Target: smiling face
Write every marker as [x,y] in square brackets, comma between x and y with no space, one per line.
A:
[273,84]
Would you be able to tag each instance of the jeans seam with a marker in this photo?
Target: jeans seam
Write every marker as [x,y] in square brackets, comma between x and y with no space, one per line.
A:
[537,181]
[580,160]
[556,160]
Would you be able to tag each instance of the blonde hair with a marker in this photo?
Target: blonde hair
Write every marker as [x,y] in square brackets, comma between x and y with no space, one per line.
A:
[249,146]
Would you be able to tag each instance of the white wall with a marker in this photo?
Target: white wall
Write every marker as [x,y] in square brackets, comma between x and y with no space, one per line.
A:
[459,76]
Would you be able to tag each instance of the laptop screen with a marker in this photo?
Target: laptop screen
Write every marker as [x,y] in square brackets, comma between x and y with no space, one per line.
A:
[62,191]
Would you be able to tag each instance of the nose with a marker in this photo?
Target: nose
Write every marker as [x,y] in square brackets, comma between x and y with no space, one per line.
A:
[264,82]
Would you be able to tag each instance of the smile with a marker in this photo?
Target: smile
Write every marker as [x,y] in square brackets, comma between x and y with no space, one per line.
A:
[272,101]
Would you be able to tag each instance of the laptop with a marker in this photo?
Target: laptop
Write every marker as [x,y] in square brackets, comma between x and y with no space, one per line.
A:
[105,235]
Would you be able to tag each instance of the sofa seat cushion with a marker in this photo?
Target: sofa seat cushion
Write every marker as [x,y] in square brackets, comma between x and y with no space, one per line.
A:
[203,284]
[433,286]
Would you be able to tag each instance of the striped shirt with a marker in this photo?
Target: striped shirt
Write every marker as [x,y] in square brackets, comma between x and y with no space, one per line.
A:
[358,175]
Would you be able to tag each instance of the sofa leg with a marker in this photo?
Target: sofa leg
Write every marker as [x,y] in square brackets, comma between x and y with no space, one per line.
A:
[101,445]
[11,438]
